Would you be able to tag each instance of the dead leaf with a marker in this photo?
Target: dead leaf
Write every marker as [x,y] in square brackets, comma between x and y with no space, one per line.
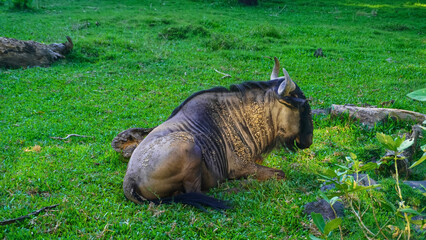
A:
[387,103]
[154,209]
[311,227]
[396,231]
[36,148]
[232,190]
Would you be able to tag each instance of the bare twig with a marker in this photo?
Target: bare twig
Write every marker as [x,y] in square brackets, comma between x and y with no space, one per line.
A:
[55,228]
[364,229]
[71,135]
[340,227]
[374,212]
[101,235]
[365,211]
[225,75]
[278,13]
[398,189]
[9,221]
[381,228]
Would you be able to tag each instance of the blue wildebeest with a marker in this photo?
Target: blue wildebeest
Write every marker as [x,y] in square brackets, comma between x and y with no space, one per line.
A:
[212,136]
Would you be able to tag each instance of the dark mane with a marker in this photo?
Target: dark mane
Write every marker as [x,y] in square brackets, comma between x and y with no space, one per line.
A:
[241,88]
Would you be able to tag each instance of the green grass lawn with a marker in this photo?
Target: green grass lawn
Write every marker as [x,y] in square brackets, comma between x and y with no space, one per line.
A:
[135,61]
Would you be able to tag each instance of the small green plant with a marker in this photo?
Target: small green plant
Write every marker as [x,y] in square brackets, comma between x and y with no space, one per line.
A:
[347,182]
[183,32]
[398,145]
[326,229]
[423,148]
[266,31]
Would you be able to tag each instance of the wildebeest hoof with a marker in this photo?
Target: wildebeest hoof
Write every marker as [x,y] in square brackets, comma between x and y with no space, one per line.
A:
[280,174]
[265,173]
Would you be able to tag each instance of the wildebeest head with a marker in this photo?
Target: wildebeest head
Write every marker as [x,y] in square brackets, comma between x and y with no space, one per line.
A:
[289,94]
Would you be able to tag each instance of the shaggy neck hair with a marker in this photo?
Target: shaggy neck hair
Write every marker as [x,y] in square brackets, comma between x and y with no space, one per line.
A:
[241,88]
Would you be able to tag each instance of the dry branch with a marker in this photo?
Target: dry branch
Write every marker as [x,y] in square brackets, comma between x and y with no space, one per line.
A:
[71,135]
[278,13]
[225,75]
[10,221]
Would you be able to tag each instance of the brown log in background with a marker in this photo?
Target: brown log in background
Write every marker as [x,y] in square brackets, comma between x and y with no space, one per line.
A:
[370,115]
[16,53]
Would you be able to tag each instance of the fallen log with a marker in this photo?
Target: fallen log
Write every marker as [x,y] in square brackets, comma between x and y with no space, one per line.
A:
[16,53]
[370,115]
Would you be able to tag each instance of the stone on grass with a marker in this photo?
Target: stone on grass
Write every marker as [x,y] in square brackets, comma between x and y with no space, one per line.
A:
[324,208]
[420,185]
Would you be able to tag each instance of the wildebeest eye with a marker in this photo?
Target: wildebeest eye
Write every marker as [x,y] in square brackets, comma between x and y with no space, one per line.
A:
[293,102]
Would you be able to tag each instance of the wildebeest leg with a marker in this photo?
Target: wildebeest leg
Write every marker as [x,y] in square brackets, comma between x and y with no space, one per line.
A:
[257,171]
[265,173]
[165,167]
[161,169]
[208,180]
[127,141]
[193,170]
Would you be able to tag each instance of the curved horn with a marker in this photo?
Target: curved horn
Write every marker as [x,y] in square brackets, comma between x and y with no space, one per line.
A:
[276,69]
[287,85]
[286,74]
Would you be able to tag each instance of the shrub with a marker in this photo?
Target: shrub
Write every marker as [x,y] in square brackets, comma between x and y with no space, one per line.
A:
[183,32]
[21,4]
[266,31]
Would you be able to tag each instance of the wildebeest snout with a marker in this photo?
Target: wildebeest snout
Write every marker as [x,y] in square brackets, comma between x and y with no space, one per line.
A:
[304,141]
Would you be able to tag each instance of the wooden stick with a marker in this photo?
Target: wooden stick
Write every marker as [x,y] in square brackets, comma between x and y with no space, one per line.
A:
[9,221]
[278,13]
[71,135]
[225,75]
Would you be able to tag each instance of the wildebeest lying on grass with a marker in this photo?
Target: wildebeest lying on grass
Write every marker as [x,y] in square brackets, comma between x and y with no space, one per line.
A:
[212,136]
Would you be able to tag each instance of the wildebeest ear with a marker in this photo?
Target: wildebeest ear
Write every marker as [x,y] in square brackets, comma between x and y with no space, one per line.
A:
[286,86]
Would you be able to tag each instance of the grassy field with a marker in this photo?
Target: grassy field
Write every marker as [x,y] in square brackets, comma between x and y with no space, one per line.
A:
[135,61]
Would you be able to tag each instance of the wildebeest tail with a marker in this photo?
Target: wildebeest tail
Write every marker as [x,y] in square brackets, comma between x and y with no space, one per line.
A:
[195,199]
[198,200]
